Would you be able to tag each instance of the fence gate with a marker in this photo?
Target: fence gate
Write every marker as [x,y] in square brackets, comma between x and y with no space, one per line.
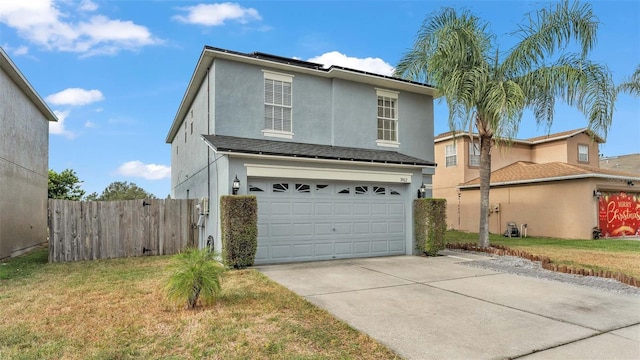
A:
[89,230]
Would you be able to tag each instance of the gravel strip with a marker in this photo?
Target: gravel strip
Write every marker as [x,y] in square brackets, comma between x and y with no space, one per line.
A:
[519,266]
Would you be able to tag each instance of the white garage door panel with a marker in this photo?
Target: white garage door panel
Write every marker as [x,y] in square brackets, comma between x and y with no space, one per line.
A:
[361,248]
[343,248]
[300,220]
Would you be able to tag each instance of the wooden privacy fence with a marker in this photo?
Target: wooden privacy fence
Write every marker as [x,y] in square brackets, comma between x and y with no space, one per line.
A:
[80,230]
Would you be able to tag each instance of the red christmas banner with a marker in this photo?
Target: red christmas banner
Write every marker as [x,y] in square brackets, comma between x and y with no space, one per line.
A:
[619,214]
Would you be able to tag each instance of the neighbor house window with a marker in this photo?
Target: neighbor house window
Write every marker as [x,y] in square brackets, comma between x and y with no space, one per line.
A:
[583,153]
[474,153]
[451,155]
[277,104]
[387,118]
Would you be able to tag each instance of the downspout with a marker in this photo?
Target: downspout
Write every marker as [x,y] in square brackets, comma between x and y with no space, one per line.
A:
[333,112]
[208,148]
[211,246]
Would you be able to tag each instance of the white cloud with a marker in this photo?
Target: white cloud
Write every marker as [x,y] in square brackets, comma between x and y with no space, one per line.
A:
[57,128]
[42,22]
[217,14]
[21,50]
[90,124]
[373,65]
[75,97]
[147,171]
[88,5]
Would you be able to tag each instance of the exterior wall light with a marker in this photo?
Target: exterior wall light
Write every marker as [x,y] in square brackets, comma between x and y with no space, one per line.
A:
[421,191]
[236,186]
[597,194]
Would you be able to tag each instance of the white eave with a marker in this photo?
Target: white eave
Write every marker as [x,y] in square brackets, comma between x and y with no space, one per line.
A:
[14,73]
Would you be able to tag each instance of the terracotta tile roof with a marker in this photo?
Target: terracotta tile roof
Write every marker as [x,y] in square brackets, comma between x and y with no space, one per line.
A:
[528,172]
[530,141]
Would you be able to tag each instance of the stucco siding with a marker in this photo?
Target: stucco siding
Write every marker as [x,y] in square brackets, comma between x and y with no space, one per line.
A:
[550,152]
[189,152]
[324,111]
[572,150]
[240,103]
[23,171]
[506,154]
[564,209]
[416,124]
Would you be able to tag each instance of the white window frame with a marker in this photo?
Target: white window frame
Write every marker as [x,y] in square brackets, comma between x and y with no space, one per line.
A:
[583,156]
[451,155]
[474,153]
[392,95]
[284,78]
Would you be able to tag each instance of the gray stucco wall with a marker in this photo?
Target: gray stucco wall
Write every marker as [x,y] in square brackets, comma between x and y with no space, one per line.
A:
[325,111]
[24,152]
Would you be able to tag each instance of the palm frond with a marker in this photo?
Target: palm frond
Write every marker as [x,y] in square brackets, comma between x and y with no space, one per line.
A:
[550,30]
[579,82]
[450,53]
[632,85]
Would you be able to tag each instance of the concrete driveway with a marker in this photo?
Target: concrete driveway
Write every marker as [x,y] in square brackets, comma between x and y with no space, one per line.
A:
[437,308]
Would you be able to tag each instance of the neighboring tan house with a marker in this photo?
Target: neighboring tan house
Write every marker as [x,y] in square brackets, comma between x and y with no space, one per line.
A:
[24,162]
[335,156]
[550,185]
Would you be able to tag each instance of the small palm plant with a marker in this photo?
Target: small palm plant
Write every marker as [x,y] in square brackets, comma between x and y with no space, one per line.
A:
[197,275]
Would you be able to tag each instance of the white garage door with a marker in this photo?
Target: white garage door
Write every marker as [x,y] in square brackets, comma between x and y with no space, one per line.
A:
[301,220]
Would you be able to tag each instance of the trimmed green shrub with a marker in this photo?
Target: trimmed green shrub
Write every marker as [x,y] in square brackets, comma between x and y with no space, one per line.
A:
[196,276]
[430,224]
[239,223]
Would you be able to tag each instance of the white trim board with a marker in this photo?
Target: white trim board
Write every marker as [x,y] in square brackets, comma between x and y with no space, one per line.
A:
[296,172]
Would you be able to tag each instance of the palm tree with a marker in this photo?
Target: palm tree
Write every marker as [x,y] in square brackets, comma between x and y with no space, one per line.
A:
[632,86]
[455,53]
[197,275]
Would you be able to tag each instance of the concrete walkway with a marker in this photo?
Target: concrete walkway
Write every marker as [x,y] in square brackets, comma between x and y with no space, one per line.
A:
[436,308]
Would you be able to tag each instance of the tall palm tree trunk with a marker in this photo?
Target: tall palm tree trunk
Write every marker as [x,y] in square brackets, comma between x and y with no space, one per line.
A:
[485,181]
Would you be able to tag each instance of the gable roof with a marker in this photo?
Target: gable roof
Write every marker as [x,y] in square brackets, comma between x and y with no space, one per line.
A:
[524,172]
[16,76]
[238,145]
[531,141]
[210,53]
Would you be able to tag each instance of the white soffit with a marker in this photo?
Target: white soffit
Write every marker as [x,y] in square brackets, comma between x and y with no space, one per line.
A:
[295,172]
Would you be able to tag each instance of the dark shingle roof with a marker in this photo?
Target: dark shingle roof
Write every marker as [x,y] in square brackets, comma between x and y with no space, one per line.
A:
[232,144]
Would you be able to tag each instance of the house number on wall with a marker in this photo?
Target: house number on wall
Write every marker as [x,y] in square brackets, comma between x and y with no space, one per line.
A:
[404,179]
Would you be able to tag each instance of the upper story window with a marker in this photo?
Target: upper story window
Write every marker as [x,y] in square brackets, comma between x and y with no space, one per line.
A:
[387,118]
[451,155]
[474,153]
[278,104]
[583,153]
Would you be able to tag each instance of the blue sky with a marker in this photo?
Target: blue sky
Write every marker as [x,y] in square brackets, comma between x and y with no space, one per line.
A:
[115,71]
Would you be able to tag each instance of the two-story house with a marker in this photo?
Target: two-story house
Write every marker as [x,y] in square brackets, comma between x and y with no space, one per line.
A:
[24,162]
[550,185]
[334,155]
